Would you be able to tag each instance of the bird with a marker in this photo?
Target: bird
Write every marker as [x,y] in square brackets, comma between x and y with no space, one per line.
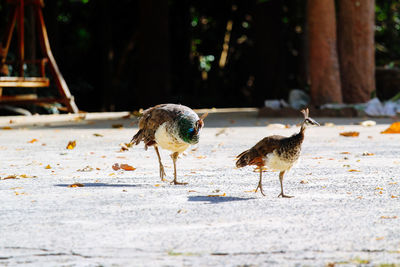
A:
[276,152]
[173,127]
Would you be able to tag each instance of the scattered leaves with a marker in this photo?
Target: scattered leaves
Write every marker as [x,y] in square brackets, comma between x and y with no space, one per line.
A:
[223,195]
[393,128]
[350,134]
[33,141]
[76,185]
[71,144]
[86,169]
[367,153]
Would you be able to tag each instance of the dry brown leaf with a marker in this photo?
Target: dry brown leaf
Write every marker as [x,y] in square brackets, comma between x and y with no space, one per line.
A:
[127,167]
[223,195]
[71,144]
[350,134]
[10,177]
[33,141]
[220,132]
[344,152]
[393,196]
[98,135]
[117,126]
[157,185]
[86,169]
[76,185]
[116,167]
[201,157]
[7,128]
[48,166]
[304,182]
[367,154]
[388,217]
[393,128]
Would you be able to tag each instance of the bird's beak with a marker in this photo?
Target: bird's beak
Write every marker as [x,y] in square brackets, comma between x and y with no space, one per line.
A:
[313,122]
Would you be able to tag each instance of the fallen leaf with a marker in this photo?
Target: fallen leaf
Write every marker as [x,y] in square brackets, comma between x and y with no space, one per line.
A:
[250,191]
[192,191]
[33,141]
[48,167]
[116,167]
[350,134]
[201,157]
[388,217]
[378,188]
[71,144]
[224,194]
[220,132]
[127,167]
[86,169]
[393,128]
[7,128]
[10,177]
[157,185]
[344,152]
[117,126]
[380,238]
[367,154]
[76,185]
[354,170]
[98,135]
[304,182]
[393,196]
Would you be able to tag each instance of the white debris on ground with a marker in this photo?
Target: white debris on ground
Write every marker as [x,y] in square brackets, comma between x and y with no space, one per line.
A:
[69,207]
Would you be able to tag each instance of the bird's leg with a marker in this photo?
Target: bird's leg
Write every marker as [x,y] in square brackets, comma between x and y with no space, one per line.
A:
[174,157]
[260,182]
[281,180]
[162,172]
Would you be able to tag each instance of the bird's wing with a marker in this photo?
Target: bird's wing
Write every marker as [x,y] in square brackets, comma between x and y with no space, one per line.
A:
[256,154]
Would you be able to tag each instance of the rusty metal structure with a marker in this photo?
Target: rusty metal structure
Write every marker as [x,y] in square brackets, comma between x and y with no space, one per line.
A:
[17,17]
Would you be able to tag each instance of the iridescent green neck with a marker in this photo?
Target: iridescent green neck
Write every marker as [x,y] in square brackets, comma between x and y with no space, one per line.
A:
[187,131]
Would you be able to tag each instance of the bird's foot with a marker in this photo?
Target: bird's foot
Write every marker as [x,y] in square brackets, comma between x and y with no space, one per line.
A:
[261,190]
[175,182]
[284,196]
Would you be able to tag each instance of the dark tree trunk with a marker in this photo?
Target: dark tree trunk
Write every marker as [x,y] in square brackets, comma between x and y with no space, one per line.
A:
[324,65]
[153,77]
[356,49]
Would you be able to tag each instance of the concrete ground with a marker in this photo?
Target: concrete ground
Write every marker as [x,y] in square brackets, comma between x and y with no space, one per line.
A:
[346,209]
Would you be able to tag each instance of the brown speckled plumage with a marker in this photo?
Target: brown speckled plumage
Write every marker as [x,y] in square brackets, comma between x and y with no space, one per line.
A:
[170,126]
[276,152]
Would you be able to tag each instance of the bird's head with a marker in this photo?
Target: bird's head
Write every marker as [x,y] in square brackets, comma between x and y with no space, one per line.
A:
[307,119]
[189,128]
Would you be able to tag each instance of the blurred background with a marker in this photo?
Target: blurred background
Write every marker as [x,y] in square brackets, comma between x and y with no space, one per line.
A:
[129,54]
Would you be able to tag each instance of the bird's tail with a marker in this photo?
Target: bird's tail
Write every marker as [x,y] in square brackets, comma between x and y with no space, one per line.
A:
[137,137]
